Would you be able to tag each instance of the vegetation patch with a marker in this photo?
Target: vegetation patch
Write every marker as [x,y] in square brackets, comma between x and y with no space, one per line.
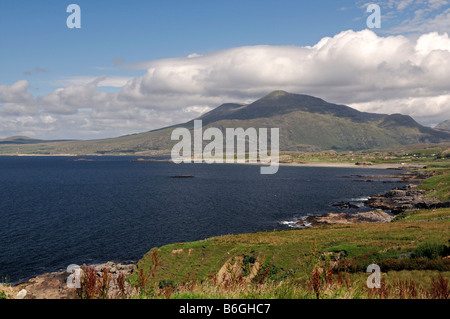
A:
[431,250]
[438,186]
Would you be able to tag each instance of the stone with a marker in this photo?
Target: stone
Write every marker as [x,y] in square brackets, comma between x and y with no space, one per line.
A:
[21,294]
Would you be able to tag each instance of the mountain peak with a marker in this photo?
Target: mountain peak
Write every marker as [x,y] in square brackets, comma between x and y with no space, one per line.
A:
[277,94]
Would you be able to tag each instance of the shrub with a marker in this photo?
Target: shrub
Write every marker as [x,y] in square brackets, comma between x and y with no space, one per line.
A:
[267,271]
[430,250]
[414,264]
[166,283]
[247,264]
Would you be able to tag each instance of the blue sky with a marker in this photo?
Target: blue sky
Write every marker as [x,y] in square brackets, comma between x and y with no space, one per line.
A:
[34,34]
[43,62]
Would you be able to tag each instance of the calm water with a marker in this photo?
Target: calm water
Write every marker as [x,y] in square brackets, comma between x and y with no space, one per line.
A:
[55,211]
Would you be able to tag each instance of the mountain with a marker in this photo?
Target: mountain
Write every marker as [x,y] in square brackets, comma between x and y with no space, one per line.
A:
[308,123]
[443,126]
[305,123]
[26,140]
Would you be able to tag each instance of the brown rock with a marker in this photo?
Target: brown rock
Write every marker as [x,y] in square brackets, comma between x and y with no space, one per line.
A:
[54,285]
[377,216]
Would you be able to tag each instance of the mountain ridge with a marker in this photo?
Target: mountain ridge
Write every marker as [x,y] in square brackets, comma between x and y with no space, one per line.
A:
[306,123]
[443,126]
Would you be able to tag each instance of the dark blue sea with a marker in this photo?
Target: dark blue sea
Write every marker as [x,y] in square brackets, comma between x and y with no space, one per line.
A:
[55,211]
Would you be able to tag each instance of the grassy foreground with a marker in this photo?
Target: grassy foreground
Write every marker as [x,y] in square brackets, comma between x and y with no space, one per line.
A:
[323,262]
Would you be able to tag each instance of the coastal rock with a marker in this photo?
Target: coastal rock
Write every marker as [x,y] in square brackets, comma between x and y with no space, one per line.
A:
[399,200]
[364,163]
[114,268]
[407,177]
[54,285]
[376,216]
[345,205]
[182,176]
[21,294]
[47,286]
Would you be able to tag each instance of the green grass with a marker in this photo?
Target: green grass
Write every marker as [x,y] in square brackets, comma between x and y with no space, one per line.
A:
[431,250]
[423,215]
[327,262]
[350,250]
[293,253]
[438,186]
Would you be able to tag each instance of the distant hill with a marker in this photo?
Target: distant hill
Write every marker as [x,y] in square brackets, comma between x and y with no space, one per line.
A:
[306,123]
[26,140]
[444,126]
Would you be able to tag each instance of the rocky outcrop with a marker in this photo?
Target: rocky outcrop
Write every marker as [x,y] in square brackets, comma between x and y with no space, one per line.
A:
[405,198]
[182,176]
[234,269]
[364,163]
[407,177]
[54,285]
[377,216]
[345,205]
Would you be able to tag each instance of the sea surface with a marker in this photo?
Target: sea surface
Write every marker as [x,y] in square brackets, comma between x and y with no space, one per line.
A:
[57,211]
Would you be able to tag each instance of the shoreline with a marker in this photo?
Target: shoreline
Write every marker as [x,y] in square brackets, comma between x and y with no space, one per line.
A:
[53,285]
[142,158]
[352,165]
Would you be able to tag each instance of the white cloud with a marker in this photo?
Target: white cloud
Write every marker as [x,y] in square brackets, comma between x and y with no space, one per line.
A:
[436,4]
[417,16]
[403,4]
[351,67]
[390,74]
[106,81]
[16,93]
[430,109]
[72,98]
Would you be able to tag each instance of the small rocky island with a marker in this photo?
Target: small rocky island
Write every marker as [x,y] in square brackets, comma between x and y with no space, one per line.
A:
[182,176]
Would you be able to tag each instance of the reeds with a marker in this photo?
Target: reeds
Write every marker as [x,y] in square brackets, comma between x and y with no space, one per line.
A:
[323,281]
[93,286]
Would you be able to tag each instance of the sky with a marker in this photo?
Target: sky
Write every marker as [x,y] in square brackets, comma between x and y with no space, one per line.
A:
[134,66]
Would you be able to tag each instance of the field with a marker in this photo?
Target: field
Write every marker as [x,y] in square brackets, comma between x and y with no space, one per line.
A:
[430,154]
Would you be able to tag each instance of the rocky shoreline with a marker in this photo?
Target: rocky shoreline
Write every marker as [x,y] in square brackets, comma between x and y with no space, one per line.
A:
[405,198]
[400,199]
[407,177]
[376,216]
[394,202]
[54,285]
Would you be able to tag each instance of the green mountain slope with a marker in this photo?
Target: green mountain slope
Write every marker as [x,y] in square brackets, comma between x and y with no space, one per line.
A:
[305,123]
